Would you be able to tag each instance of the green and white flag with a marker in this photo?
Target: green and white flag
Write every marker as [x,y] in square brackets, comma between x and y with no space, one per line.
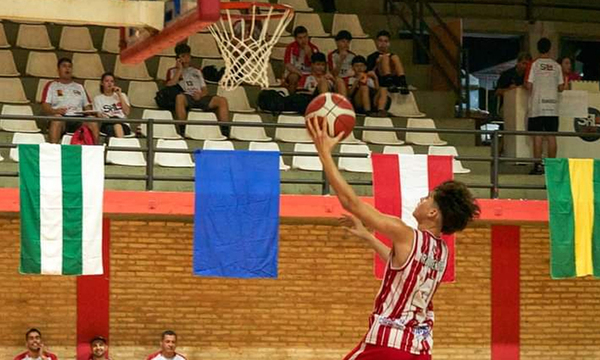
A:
[61,190]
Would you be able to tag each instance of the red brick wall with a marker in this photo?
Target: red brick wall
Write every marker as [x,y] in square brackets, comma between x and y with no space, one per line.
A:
[317,309]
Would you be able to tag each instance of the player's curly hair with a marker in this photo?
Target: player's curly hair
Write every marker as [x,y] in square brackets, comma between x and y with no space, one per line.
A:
[457,205]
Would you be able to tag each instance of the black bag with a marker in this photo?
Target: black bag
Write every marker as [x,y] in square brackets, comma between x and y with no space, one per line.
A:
[298,102]
[211,74]
[271,101]
[165,98]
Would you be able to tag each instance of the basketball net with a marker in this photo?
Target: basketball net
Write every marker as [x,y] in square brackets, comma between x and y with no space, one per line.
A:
[245,43]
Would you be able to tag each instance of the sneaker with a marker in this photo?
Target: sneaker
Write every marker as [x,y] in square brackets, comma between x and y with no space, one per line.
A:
[404,90]
[393,89]
[537,170]
[380,113]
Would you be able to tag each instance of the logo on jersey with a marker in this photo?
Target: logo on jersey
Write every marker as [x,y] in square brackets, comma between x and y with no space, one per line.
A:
[59,92]
[546,67]
[591,124]
[431,263]
[76,92]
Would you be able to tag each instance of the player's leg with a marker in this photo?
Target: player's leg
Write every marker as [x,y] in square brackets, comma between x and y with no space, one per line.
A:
[118,129]
[365,98]
[220,106]
[292,81]
[55,130]
[95,129]
[340,87]
[398,74]
[181,105]
[323,86]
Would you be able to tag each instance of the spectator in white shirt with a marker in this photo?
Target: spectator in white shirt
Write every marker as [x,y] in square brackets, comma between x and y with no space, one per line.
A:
[112,103]
[168,344]
[65,97]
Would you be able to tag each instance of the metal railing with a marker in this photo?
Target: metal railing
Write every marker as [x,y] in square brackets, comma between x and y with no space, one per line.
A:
[494,159]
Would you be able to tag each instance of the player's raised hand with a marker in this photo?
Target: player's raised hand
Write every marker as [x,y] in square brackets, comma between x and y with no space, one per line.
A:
[317,128]
[354,226]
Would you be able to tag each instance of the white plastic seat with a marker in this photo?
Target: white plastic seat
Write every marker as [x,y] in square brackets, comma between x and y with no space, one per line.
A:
[278,53]
[170,51]
[273,81]
[218,145]
[40,89]
[164,64]
[126,158]
[351,140]
[248,133]
[285,40]
[204,46]
[142,93]
[388,149]
[457,166]
[24,138]
[404,106]
[42,64]
[3,40]
[131,72]
[14,125]
[87,66]
[92,87]
[11,91]
[7,64]
[297,5]
[269,146]
[363,47]
[172,159]
[76,38]
[306,162]
[237,99]
[161,131]
[325,45]
[429,138]
[352,164]
[203,132]
[66,139]
[349,22]
[380,137]
[110,41]
[312,22]
[291,134]
[34,37]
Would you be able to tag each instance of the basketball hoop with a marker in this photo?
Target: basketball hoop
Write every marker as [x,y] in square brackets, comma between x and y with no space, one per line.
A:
[242,34]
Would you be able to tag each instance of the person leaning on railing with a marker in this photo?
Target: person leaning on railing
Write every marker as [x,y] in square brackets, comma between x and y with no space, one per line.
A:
[515,76]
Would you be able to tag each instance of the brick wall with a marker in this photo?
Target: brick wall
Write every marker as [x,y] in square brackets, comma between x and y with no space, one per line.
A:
[317,309]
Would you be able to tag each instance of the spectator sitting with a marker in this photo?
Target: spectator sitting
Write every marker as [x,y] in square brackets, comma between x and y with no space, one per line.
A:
[319,81]
[112,103]
[168,344]
[64,97]
[513,77]
[365,92]
[99,348]
[544,81]
[567,68]
[387,65]
[297,59]
[339,61]
[195,92]
[35,347]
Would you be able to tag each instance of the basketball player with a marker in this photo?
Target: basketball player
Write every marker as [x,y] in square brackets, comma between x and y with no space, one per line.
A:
[36,350]
[400,327]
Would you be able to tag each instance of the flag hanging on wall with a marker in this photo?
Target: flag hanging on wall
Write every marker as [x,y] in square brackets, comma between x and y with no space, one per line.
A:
[61,194]
[236,220]
[574,205]
[399,182]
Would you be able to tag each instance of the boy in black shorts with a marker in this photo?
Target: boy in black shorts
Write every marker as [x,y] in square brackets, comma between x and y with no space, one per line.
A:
[364,90]
[387,65]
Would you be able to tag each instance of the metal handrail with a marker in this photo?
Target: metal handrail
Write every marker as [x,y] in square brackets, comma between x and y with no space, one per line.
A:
[494,159]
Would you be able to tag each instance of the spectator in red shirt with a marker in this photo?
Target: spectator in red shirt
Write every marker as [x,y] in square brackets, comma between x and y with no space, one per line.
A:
[297,59]
[36,350]
[567,68]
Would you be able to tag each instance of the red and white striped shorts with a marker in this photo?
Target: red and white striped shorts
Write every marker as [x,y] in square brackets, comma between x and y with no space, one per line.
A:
[373,352]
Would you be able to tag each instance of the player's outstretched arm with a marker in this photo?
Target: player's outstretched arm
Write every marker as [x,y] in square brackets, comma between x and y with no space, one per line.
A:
[355,227]
[401,234]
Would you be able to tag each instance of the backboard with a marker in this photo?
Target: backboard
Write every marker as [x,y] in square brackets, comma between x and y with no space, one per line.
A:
[182,19]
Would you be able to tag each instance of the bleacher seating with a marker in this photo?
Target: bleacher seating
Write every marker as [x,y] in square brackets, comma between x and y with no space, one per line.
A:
[429,138]
[7,64]
[110,41]
[164,64]
[3,40]
[269,146]
[248,133]
[237,99]
[12,92]
[292,135]
[203,132]
[218,145]
[457,166]
[77,39]
[92,87]
[34,37]
[325,45]
[22,126]
[42,64]
[204,46]
[390,149]
[349,22]
[161,131]
[172,159]
[40,89]
[125,158]
[297,5]
[306,162]
[142,93]
[312,22]
[363,47]
[24,138]
[380,137]
[355,164]
[87,66]
[131,72]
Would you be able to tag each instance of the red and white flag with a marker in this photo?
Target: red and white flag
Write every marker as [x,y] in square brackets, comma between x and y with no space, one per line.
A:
[399,182]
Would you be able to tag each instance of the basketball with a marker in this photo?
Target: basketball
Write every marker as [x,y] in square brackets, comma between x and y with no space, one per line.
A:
[336,109]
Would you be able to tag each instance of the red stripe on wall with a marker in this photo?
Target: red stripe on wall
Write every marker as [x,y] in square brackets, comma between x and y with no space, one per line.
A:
[93,301]
[439,169]
[386,187]
[505,292]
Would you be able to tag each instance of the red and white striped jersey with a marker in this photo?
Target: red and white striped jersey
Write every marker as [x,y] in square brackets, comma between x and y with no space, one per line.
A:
[159,356]
[403,314]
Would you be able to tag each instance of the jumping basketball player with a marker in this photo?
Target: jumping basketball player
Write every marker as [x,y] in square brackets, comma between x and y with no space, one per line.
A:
[402,320]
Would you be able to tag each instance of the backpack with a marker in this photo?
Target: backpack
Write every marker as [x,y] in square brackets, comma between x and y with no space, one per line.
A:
[211,74]
[271,101]
[83,136]
[298,102]
[165,98]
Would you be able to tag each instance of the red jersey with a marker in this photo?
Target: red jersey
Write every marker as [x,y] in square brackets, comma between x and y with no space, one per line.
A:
[296,56]
[25,356]
[402,317]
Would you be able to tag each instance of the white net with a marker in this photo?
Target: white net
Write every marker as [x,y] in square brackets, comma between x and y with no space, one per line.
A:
[246,41]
